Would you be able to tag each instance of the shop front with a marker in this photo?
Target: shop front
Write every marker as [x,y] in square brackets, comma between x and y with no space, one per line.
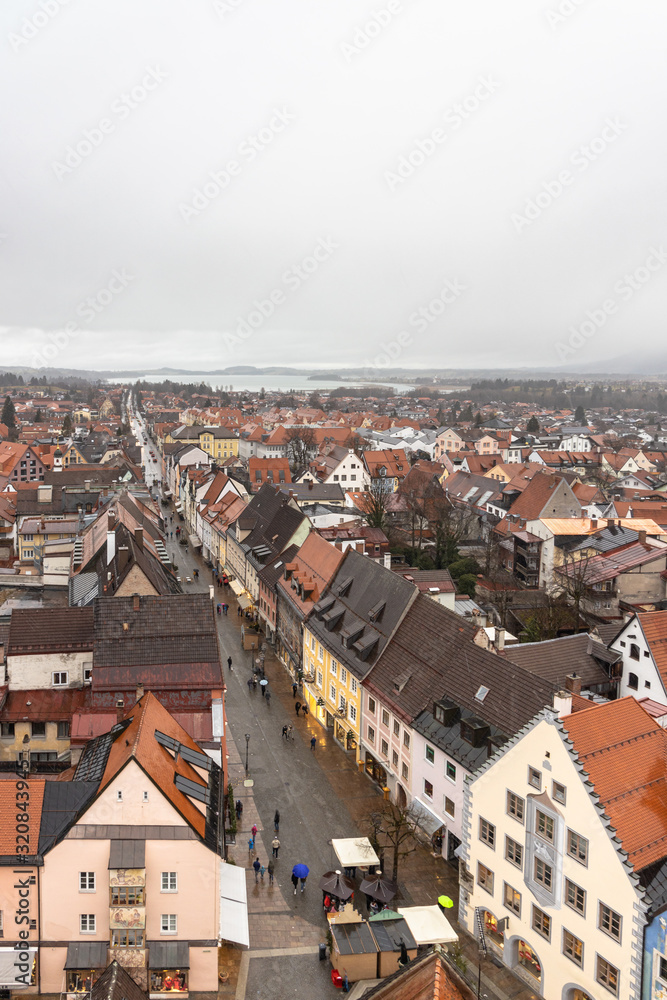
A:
[375,770]
[344,736]
[85,963]
[168,968]
[494,933]
[527,962]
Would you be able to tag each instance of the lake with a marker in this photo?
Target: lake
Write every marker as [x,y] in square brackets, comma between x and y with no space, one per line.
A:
[254,383]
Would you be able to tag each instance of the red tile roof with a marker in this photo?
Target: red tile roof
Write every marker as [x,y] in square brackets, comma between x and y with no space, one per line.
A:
[8,808]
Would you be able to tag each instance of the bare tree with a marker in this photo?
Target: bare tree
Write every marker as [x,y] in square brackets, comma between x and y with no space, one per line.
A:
[376,506]
[300,442]
[394,827]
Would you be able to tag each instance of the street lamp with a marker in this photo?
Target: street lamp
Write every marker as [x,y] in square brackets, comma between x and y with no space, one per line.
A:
[247,744]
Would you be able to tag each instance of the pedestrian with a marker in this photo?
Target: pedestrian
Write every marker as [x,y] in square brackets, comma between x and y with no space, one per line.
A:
[297,708]
[251,845]
[295,882]
[261,872]
[254,683]
[225,609]
[276,821]
[219,609]
[253,830]
[229,662]
[257,866]
[313,742]
[171,534]
[285,728]
[271,869]
[239,809]
[239,612]
[275,846]
[304,710]
[250,684]
[303,882]
[268,697]
[294,689]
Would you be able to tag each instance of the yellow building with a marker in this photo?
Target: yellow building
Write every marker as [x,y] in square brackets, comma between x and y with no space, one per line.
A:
[331,691]
[218,442]
[35,531]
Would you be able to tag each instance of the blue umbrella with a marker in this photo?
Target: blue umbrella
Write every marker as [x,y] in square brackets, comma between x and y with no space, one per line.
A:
[301,871]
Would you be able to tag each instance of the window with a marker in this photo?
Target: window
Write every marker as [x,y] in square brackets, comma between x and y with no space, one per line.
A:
[59,678]
[573,948]
[86,881]
[487,832]
[575,896]
[334,666]
[343,675]
[127,939]
[371,735]
[662,967]
[609,922]
[542,923]
[633,681]
[342,703]
[394,758]
[428,789]
[119,796]
[577,847]
[144,797]
[371,705]
[353,685]
[558,792]
[87,923]
[514,852]
[515,806]
[607,975]
[634,651]
[385,749]
[512,899]
[485,877]
[38,729]
[127,895]
[534,777]
[406,739]
[543,873]
[352,712]
[320,679]
[168,882]
[430,754]
[450,809]
[450,771]
[168,923]
[312,643]
[385,718]
[332,693]
[404,771]
[63,730]
[7,730]
[397,728]
[544,826]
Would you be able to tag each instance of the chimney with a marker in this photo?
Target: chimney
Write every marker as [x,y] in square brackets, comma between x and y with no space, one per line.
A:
[87,484]
[120,710]
[573,683]
[140,691]
[111,544]
[500,639]
[310,484]
[136,602]
[139,537]
[594,523]
[610,522]
[642,537]
[387,560]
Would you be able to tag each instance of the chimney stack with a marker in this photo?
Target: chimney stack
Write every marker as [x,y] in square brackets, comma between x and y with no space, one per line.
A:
[387,560]
[642,537]
[120,710]
[500,639]
[140,691]
[87,485]
[139,537]
[573,683]
[136,602]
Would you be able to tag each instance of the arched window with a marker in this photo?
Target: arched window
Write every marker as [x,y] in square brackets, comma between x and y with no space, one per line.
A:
[633,681]
[634,651]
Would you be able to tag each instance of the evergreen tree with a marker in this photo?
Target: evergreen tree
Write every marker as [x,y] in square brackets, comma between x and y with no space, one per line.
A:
[580,415]
[39,417]
[533,426]
[8,413]
[67,426]
[478,419]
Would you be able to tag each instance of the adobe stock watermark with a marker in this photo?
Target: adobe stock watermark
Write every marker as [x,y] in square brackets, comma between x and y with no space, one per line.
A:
[87,310]
[562,11]
[419,321]
[121,109]
[365,33]
[290,282]
[581,159]
[224,7]
[453,117]
[625,289]
[32,25]
[247,151]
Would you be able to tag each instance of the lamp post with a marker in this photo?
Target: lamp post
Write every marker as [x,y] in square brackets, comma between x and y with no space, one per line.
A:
[247,744]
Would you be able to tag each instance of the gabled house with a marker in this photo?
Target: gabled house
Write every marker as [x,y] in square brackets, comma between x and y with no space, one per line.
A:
[387,469]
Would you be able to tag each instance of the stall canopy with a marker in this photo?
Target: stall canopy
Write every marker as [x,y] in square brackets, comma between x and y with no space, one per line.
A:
[168,955]
[233,905]
[355,852]
[195,541]
[236,587]
[428,924]
[178,505]
[426,819]
[244,601]
[86,955]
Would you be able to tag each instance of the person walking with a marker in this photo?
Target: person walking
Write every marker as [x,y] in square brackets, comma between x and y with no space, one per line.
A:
[251,845]
[268,697]
[275,846]
[295,882]
[263,687]
[313,742]
[229,662]
[256,865]
[261,872]
[297,708]
[303,882]
[250,684]
[276,822]
[285,728]
[239,809]
[304,710]
[225,609]
[294,689]
[254,830]
[271,870]
[254,683]
[219,609]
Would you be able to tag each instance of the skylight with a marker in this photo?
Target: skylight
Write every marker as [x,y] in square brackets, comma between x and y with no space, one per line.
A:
[482,692]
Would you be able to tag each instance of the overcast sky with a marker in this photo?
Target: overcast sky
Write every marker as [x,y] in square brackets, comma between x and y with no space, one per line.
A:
[446,184]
